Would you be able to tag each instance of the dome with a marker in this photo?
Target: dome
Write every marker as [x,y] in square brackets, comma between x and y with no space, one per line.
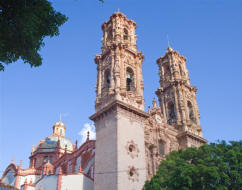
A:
[49,144]
[60,124]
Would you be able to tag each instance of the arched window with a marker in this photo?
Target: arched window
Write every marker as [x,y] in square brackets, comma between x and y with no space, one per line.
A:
[129,79]
[171,112]
[190,111]
[110,35]
[46,158]
[126,34]
[107,78]
[167,72]
[60,132]
[161,147]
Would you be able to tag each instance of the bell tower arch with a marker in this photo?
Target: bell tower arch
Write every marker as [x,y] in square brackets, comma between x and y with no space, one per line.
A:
[119,118]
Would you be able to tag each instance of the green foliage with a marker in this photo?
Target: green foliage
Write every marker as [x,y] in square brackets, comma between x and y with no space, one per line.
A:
[210,167]
[23,26]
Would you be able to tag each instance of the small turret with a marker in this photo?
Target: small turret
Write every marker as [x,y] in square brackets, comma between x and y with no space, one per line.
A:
[59,129]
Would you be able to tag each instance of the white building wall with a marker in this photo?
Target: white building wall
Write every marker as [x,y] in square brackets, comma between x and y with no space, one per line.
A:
[34,178]
[76,182]
[47,183]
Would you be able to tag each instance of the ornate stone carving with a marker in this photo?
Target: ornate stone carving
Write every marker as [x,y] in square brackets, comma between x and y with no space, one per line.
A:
[133,174]
[132,149]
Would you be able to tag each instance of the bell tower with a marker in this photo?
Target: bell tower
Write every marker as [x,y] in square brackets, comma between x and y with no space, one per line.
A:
[178,98]
[119,67]
[119,118]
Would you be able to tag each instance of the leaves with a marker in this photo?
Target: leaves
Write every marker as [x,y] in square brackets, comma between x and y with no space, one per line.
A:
[23,26]
[210,167]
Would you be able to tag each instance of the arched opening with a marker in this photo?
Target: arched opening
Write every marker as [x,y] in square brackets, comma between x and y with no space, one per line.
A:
[46,158]
[161,147]
[129,79]
[109,35]
[60,132]
[126,34]
[167,72]
[50,159]
[171,112]
[107,78]
[181,71]
[190,111]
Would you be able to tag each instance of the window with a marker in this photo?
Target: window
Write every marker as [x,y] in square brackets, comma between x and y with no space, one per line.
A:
[190,111]
[171,112]
[167,72]
[126,34]
[60,132]
[129,79]
[50,159]
[161,147]
[110,35]
[46,159]
[107,78]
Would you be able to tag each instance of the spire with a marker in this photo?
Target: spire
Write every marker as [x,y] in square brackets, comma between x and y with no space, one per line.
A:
[60,117]
[20,164]
[88,135]
[12,161]
[154,104]
[169,49]
[76,144]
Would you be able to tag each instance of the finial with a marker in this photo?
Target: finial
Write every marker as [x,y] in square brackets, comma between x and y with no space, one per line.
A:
[149,110]
[33,149]
[154,103]
[60,117]
[168,42]
[80,169]
[20,164]
[76,143]
[88,135]
[60,171]
[12,161]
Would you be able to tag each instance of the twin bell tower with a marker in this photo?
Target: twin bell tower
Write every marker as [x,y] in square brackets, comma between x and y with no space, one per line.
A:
[120,120]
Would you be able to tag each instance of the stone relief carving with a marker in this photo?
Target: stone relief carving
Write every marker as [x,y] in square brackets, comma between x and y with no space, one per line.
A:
[133,174]
[132,149]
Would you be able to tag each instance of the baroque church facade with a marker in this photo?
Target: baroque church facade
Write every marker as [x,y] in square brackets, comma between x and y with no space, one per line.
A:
[130,142]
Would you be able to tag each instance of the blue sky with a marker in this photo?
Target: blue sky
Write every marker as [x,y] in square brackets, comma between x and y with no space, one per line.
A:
[207,32]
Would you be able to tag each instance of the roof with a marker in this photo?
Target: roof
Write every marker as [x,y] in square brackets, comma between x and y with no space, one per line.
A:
[4,186]
[49,144]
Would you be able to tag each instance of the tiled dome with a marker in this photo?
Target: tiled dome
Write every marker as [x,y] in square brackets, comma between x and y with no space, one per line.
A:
[49,144]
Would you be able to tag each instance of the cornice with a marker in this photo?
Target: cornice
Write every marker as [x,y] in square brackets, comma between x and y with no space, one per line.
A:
[176,83]
[191,135]
[115,104]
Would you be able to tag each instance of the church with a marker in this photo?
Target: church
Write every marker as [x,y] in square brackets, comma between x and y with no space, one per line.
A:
[130,142]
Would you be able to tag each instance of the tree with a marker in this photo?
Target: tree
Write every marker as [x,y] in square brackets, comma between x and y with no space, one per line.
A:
[215,166]
[23,26]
